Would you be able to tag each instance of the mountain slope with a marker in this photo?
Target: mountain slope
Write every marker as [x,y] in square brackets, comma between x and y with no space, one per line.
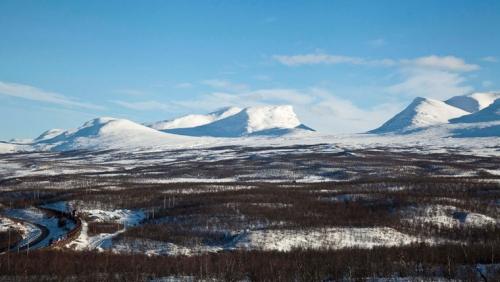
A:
[473,102]
[195,120]
[49,134]
[422,112]
[262,120]
[107,133]
[490,113]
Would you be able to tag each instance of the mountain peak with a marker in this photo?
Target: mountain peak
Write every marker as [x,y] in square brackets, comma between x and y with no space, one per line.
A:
[490,113]
[268,120]
[422,112]
[194,120]
[473,102]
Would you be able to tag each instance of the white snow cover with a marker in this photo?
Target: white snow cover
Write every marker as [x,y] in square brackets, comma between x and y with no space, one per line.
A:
[195,120]
[422,112]
[473,102]
[276,239]
[106,132]
[7,148]
[104,240]
[329,238]
[122,216]
[490,113]
[265,120]
[447,216]
[49,134]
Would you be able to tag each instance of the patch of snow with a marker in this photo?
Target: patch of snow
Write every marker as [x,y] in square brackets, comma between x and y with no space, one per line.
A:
[325,238]
[122,216]
[447,216]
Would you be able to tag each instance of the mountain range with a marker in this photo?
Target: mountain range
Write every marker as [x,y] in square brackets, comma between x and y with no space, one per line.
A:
[424,113]
[474,115]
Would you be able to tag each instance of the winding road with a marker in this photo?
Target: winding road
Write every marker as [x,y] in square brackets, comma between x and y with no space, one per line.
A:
[44,231]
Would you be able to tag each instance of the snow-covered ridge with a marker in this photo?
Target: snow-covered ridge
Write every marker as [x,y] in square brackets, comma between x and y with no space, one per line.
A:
[473,102]
[49,134]
[111,133]
[421,113]
[260,120]
[106,133]
[490,113]
[194,119]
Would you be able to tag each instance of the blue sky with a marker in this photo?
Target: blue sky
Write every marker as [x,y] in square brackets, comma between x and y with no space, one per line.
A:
[346,66]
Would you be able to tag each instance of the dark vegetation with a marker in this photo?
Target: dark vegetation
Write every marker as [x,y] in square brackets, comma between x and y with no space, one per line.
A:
[9,239]
[374,188]
[449,261]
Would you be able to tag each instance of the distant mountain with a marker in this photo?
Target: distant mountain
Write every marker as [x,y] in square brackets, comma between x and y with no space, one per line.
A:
[189,121]
[49,134]
[105,133]
[421,113]
[261,120]
[490,113]
[473,102]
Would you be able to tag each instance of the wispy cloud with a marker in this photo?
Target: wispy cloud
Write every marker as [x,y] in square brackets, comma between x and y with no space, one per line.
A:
[450,63]
[130,92]
[428,76]
[447,63]
[327,59]
[378,42]
[36,94]
[269,20]
[337,115]
[490,59]
[436,84]
[145,105]
[225,85]
[487,83]
[184,85]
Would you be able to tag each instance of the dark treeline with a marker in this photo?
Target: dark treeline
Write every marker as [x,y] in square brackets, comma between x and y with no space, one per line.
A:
[449,261]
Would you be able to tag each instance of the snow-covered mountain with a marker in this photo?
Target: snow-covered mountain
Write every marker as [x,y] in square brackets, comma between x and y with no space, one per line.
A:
[421,113]
[473,102]
[49,134]
[490,113]
[260,120]
[195,120]
[106,133]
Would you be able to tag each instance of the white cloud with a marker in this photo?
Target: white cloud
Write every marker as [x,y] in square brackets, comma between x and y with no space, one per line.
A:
[378,42]
[184,85]
[326,59]
[448,63]
[35,94]
[436,84]
[487,83]
[429,76]
[145,105]
[225,85]
[315,107]
[130,92]
[334,114]
[490,59]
